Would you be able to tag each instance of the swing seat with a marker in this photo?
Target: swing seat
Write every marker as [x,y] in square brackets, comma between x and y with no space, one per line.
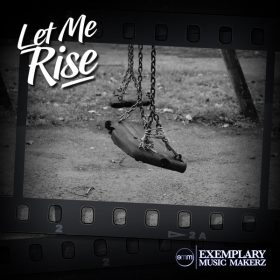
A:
[127,102]
[126,135]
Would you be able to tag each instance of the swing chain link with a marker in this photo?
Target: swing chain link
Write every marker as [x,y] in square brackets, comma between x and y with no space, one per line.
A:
[139,88]
[138,85]
[153,114]
[128,75]
[146,143]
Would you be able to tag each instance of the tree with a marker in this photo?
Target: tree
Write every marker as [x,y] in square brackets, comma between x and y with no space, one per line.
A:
[4,96]
[239,84]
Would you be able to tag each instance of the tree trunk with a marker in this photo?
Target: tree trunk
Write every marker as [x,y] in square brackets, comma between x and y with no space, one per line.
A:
[4,97]
[239,84]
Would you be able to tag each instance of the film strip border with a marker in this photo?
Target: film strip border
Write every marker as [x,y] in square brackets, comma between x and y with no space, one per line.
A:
[185,30]
[88,218]
[25,254]
[172,29]
[64,253]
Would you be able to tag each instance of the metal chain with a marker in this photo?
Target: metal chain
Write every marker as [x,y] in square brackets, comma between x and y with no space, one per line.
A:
[128,75]
[138,85]
[153,114]
[139,88]
[146,142]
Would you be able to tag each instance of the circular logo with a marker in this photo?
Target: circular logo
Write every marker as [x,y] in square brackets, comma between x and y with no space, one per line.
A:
[184,257]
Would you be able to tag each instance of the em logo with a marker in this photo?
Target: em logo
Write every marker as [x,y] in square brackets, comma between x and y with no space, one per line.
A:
[184,257]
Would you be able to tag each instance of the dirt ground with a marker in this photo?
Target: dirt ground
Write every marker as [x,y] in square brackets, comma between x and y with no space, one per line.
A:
[83,163]
[70,155]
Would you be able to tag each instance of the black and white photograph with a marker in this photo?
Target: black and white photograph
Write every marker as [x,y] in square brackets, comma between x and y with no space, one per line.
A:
[164,125]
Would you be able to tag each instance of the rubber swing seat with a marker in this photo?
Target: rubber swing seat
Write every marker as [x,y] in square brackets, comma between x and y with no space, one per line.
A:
[126,135]
[127,102]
